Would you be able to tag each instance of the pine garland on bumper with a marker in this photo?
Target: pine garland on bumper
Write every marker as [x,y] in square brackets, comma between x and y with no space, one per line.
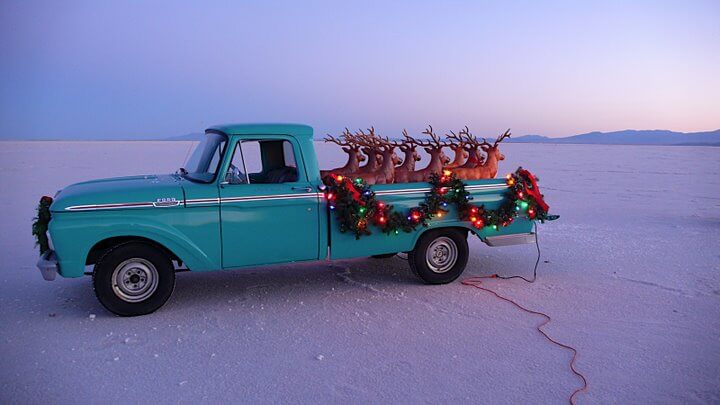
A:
[356,207]
[40,224]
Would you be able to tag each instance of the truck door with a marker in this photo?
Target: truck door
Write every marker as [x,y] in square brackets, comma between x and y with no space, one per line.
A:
[269,211]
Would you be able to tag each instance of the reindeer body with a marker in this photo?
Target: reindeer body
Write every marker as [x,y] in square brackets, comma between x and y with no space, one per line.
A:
[386,173]
[374,158]
[437,157]
[403,171]
[487,169]
[460,155]
[352,165]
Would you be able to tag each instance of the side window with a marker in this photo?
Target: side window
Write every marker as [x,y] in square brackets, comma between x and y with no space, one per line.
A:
[289,155]
[253,157]
[263,162]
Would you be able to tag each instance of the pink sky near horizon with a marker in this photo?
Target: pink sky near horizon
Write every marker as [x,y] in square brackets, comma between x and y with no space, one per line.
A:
[115,69]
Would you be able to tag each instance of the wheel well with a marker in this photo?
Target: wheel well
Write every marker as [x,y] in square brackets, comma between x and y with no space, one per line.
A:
[104,245]
[459,229]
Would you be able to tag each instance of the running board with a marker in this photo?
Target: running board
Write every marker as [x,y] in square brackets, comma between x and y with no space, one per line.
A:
[508,240]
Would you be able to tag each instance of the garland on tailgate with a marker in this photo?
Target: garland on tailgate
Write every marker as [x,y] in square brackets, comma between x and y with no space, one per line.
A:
[40,225]
[356,206]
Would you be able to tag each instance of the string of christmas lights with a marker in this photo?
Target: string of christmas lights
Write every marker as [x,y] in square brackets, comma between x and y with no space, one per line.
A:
[356,206]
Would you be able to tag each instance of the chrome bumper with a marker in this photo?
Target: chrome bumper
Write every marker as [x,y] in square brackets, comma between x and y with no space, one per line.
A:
[48,265]
[507,240]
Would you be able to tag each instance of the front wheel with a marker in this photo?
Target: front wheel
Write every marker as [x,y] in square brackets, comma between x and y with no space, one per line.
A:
[440,256]
[133,279]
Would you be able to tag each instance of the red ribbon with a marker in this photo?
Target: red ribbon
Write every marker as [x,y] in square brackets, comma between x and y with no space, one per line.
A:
[533,191]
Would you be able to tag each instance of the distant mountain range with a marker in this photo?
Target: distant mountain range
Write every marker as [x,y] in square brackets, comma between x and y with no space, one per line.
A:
[626,137]
[630,137]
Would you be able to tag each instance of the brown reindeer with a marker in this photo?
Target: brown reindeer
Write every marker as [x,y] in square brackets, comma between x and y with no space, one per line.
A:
[386,173]
[352,148]
[371,147]
[458,147]
[409,148]
[472,146]
[437,157]
[489,168]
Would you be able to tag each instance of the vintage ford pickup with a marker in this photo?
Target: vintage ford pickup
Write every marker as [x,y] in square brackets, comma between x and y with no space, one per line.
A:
[249,195]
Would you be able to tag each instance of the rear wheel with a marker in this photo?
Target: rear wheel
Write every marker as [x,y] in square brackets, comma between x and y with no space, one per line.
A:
[440,256]
[133,279]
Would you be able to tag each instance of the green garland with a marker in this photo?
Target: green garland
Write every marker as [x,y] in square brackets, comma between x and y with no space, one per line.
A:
[40,224]
[356,206]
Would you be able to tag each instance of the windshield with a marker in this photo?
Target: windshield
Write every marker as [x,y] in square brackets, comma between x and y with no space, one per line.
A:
[205,160]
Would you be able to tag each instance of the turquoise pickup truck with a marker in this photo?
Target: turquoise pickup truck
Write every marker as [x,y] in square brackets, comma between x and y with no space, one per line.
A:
[250,195]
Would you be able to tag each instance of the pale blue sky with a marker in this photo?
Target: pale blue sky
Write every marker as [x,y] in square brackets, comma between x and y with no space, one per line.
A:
[156,69]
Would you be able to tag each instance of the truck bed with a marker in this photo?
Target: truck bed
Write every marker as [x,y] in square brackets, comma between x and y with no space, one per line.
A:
[491,193]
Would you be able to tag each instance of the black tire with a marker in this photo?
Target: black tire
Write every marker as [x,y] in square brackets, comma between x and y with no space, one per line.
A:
[384,256]
[440,267]
[146,275]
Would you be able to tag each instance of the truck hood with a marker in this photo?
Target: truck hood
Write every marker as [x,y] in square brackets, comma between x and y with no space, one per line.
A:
[120,192]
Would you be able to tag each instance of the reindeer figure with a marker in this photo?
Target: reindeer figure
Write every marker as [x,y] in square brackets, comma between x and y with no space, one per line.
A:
[408,147]
[437,157]
[386,173]
[352,148]
[472,146]
[489,168]
[458,147]
[371,147]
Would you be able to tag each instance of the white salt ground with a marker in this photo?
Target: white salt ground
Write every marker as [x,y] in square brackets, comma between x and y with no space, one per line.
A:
[631,277]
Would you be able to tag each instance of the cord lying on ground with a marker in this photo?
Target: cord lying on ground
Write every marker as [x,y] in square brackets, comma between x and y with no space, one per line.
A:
[477,283]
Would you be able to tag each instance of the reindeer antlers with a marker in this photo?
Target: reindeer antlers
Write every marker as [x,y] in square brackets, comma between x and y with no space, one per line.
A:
[501,137]
[459,136]
[434,143]
[370,139]
[346,135]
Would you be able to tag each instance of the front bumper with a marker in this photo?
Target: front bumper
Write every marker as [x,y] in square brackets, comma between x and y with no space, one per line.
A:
[48,265]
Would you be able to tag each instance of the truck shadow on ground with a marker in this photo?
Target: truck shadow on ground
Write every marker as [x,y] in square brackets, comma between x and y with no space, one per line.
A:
[301,280]
[266,284]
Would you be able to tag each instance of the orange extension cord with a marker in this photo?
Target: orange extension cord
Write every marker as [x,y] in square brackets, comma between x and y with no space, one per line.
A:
[477,283]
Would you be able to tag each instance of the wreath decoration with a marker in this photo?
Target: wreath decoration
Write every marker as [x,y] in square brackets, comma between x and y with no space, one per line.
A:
[40,224]
[356,206]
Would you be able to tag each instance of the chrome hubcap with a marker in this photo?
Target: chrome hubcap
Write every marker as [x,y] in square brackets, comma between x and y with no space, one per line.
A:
[135,280]
[441,255]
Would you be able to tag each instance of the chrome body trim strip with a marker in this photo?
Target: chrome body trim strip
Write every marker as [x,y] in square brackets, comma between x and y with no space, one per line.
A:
[93,207]
[271,197]
[197,201]
[479,187]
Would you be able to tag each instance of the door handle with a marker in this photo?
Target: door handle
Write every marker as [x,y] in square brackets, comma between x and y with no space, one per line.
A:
[305,189]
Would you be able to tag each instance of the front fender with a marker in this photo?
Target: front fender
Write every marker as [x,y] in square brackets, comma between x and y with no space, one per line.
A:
[195,241]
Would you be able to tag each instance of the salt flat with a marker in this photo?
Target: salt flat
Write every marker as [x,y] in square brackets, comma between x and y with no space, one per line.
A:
[630,276]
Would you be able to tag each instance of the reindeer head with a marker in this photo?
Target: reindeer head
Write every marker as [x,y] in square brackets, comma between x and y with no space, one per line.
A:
[433,147]
[459,146]
[493,150]
[388,151]
[409,147]
[348,143]
[369,144]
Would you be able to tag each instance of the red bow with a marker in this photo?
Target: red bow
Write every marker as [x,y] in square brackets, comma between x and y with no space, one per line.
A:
[533,191]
